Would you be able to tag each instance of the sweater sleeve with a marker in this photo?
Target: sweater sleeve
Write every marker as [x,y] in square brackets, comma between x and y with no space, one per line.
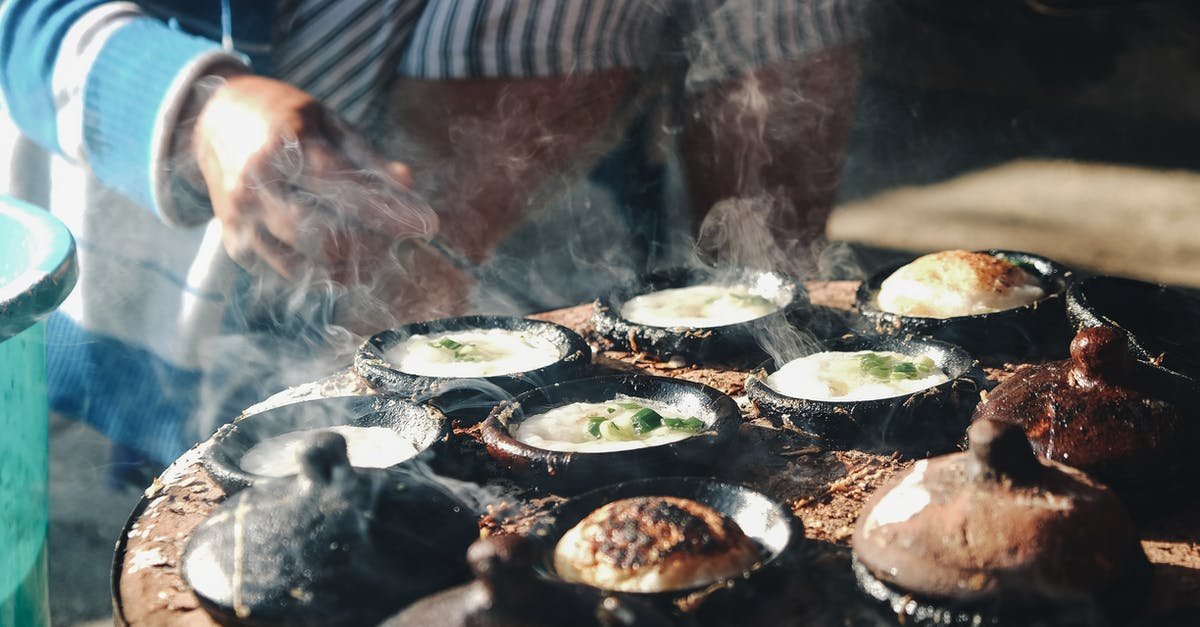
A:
[102,82]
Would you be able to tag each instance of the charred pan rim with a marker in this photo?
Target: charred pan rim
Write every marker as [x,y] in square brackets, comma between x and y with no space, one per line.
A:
[1110,301]
[573,472]
[1121,601]
[447,392]
[425,426]
[118,562]
[766,521]
[1033,326]
[933,419]
[696,345]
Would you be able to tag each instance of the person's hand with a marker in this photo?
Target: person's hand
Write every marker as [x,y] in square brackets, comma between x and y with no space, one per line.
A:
[296,189]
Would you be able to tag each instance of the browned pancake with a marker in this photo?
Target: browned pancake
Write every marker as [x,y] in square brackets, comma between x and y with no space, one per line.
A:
[652,544]
[957,283]
[978,270]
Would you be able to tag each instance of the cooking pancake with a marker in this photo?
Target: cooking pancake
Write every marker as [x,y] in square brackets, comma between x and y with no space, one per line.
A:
[851,376]
[957,283]
[621,424]
[653,544]
[698,306]
[473,353]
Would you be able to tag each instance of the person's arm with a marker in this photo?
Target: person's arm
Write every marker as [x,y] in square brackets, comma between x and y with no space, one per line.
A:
[771,142]
[103,83]
[489,144]
[770,97]
[179,126]
[477,148]
[295,187]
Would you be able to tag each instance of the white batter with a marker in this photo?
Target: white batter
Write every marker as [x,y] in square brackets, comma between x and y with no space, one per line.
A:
[603,427]
[367,447]
[698,306]
[855,376]
[473,353]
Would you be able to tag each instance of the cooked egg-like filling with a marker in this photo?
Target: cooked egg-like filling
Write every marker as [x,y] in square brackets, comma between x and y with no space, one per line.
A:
[620,424]
[367,447]
[698,306]
[957,283]
[473,353]
[855,376]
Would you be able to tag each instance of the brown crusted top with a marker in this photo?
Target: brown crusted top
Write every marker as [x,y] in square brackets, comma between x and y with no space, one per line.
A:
[967,268]
[635,532]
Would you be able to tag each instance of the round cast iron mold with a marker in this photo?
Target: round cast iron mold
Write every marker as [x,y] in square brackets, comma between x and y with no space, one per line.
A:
[508,591]
[922,423]
[1038,329]
[1161,324]
[469,399]
[698,344]
[771,525]
[572,472]
[425,426]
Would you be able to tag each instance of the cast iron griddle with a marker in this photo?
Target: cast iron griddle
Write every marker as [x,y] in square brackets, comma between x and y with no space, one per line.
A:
[824,489]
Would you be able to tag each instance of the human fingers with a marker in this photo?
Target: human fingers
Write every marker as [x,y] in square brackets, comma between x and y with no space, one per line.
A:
[313,226]
[367,188]
[252,246]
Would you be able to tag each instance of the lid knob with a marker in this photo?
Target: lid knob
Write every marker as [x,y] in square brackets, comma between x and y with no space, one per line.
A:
[1001,450]
[1099,350]
[504,565]
[326,450]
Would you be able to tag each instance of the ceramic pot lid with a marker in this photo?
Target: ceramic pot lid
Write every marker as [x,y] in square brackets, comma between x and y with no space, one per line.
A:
[1100,411]
[334,545]
[997,524]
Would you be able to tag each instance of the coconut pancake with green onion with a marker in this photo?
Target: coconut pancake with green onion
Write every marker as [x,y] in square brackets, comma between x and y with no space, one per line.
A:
[838,376]
[621,424]
[473,353]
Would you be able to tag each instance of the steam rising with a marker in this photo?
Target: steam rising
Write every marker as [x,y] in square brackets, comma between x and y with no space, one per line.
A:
[365,248]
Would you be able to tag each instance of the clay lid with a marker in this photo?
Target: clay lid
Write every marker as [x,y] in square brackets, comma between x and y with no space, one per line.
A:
[996,525]
[1100,411]
[333,545]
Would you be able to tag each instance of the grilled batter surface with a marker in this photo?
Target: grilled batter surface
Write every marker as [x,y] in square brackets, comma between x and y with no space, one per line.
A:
[653,544]
[957,283]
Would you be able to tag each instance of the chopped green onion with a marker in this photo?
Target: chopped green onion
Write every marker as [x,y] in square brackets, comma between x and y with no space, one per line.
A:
[646,420]
[611,410]
[629,405]
[684,424]
[449,343]
[610,431]
[593,427]
[751,299]
[871,359]
[888,368]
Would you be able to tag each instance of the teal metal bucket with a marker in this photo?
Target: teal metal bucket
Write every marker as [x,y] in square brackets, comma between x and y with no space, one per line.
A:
[37,270]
